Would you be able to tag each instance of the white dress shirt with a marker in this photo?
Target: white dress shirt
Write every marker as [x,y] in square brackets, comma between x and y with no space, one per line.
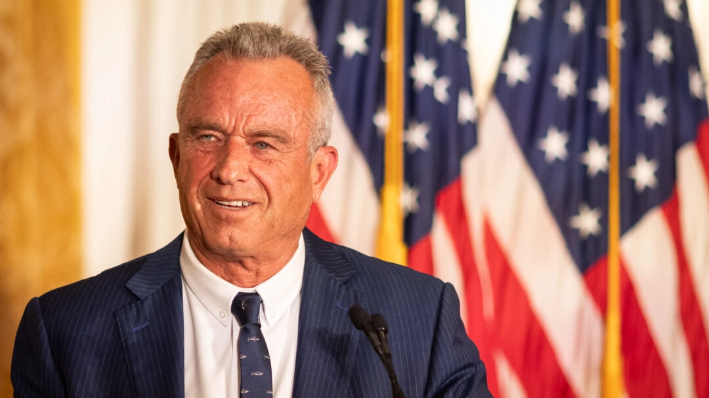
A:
[212,332]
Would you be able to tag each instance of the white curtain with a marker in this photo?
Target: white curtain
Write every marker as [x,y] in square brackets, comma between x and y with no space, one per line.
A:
[135,55]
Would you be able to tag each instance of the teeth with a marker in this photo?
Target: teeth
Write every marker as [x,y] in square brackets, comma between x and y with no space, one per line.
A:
[235,203]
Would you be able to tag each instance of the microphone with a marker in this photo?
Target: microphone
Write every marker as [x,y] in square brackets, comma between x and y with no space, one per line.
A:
[375,328]
[361,320]
[380,325]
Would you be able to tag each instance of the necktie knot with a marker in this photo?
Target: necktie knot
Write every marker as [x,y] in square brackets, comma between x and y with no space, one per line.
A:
[245,308]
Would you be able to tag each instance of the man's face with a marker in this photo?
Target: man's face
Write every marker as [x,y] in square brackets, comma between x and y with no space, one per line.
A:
[241,159]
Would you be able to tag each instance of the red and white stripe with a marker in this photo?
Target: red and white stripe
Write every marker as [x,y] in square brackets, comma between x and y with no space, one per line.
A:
[349,206]
[543,312]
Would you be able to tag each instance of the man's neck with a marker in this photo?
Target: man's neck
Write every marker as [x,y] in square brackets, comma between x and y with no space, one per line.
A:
[245,271]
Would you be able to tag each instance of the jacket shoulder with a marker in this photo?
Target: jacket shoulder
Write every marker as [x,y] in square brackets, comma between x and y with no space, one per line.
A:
[372,275]
[85,310]
[107,283]
[97,296]
[380,272]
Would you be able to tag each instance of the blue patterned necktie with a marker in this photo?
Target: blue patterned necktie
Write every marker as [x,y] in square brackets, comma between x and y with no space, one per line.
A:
[254,361]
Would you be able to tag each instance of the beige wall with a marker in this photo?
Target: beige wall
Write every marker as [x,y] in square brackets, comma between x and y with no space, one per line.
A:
[40,174]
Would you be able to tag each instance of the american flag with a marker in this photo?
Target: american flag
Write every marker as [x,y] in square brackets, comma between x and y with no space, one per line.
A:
[440,118]
[514,212]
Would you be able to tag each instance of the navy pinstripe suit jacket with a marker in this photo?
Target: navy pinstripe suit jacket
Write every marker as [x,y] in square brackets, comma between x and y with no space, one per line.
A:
[120,334]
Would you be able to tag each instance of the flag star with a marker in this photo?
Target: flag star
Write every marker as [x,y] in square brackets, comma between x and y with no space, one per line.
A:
[409,199]
[601,95]
[381,120]
[516,68]
[428,10]
[596,158]
[672,9]
[415,137]
[653,110]
[528,9]
[423,71]
[353,40]
[587,221]
[616,33]
[659,46]
[446,25]
[384,55]
[574,18]
[643,173]
[465,45]
[467,112]
[440,89]
[554,144]
[565,81]
[696,83]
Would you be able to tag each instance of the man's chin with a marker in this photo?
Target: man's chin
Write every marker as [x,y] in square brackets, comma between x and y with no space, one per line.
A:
[220,243]
[231,244]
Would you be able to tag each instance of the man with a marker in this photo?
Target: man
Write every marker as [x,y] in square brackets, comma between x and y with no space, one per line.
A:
[250,158]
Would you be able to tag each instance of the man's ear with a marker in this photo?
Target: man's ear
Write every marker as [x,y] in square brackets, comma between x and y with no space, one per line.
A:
[174,152]
[321,167]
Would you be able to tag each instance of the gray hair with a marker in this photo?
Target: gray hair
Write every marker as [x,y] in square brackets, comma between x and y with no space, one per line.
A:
[259,40]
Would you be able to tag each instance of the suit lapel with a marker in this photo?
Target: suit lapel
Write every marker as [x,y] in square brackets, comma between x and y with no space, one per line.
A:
[152,328]
[327,341]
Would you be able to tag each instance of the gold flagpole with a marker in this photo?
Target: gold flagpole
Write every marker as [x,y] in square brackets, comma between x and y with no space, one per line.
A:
[390,240]
[612,358]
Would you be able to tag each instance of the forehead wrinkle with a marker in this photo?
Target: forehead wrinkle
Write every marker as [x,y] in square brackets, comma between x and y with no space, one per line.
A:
[208,95]
[274,114]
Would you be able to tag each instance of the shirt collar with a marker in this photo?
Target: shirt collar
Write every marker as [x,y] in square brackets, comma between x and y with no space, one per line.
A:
[216,294]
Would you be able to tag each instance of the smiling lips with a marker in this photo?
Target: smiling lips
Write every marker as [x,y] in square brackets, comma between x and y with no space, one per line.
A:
[234,203]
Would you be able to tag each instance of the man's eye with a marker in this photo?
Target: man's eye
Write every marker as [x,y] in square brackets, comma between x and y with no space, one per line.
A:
[262,145]
[207,137]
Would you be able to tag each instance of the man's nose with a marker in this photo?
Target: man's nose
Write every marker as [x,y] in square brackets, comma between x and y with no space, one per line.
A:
[232,162]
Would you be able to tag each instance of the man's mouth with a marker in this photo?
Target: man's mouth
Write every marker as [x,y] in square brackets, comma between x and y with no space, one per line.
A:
[234,203]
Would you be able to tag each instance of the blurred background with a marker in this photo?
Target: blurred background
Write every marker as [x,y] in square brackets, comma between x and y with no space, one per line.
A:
[501,142]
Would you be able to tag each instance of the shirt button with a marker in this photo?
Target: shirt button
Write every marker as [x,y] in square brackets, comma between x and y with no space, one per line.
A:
[272,314]
[222,314]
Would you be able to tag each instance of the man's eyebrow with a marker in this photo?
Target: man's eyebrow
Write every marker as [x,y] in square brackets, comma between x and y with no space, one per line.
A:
[278,135]
[203,126]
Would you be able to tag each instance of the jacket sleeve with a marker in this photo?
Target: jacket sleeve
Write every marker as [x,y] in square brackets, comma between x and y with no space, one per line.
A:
[455,369]
[34,373]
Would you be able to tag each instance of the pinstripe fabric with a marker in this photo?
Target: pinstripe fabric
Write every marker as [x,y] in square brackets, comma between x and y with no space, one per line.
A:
[432,354]
[120,334]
